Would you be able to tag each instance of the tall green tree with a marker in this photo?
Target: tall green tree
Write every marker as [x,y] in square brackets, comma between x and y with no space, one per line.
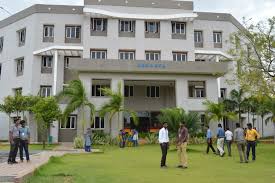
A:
[270,104]
[46,110]
[115,106]
[254,52]
[7,107]
[217,112]
[262,109]
[77,98]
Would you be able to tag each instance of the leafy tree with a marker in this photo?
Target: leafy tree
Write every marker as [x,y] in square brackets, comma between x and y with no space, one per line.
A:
[115,106]
[217,111]
[46,110]
[173,116]
[77,99]
[262,109]
[270,104]
[254,52]
[235,102]
[7,107]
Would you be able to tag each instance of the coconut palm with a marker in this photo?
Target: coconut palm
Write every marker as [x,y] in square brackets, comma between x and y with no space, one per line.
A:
[236,101]
[217,111]
[262,110]
[77,99]
[115,106]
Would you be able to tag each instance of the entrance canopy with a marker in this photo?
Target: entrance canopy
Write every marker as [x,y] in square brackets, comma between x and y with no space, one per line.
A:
[74,51]
[210,55]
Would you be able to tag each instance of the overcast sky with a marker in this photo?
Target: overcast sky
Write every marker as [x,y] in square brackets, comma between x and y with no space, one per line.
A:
[255,9]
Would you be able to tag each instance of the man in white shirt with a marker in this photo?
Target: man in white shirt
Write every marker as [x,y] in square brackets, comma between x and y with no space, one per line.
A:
[228,140]
[164,144]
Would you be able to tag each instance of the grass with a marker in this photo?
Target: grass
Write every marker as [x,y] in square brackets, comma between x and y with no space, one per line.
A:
[141,165]
[6,147]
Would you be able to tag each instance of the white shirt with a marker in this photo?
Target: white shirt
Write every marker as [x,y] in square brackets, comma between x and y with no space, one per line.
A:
[228,135]
[163,136]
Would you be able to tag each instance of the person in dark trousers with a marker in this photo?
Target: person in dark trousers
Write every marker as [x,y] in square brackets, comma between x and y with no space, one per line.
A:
[122,138]
[228,140]
[14,139]
[240,141]
[24,141]
[164,144]
[88,140]
[209,141]
[182,146]
[251,138]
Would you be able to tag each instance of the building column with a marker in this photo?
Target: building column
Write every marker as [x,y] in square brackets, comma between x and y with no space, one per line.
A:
[217,58]
[55,127]
[179,92]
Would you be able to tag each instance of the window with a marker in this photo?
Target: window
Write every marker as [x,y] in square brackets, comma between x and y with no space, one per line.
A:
[99,24]
[223,93]
[153,91]
[48,31]
[96,90]
[47,61]
[126,55]
[73,32]
[196,89]
[70,124]
[45,91]
[21,37]
[19,66]
[126,26]
[18,91]
[152,55]
[1,43]
[179,56]
[199,60]
[198,37]
[66,62]
[178,27]
[217,37]
[98,54]
[128,91]
[98,123]
[152,27]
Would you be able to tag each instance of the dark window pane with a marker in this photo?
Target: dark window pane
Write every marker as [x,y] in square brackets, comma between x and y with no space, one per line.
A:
[97,90]
[97,121]
[73,122]
[157,91]
[126,91]
[191,91]
[148,91]
[102,122]
[131,91]
[68,123]
[153,91]
[93,90]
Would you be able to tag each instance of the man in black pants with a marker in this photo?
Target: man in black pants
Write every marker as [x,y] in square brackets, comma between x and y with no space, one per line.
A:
[14,137]
[209,141]
[164,144]
[24,141]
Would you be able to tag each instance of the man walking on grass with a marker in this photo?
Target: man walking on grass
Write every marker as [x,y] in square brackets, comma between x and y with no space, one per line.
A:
[14,139]
[228,140]
[220,140]
[182,145]
[240,141]
[209,141]
[251,138]
[164,144]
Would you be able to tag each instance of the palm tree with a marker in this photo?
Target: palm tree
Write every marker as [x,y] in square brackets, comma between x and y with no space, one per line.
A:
[217,111]
[237,101]
[270,104]
[115,106]
[76,94]
[262,109]
[254,105]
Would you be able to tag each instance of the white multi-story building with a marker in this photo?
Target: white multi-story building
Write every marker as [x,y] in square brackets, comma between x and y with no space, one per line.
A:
[163,53]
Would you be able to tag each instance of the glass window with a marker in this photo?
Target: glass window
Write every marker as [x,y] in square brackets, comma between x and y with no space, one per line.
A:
[73,32]
[70,124]
[48,31]
[223,93]
[198,36]
[98,123]
[20,65]
[99,24]
[45,91]
[47,61]
[153,91]
[179,56]
[127,26]
[128,91]
[98,54]
[21,36]
[151,55]
[1,43]
[178,27]
[217,37]
[96,90]
[197,89]
[152,27]
[126,55]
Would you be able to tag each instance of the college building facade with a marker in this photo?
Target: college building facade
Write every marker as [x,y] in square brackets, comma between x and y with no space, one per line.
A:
[162,52]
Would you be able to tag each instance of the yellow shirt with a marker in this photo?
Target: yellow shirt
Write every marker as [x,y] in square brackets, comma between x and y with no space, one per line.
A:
[252,135]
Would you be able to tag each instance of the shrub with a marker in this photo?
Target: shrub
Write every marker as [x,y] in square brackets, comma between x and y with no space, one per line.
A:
[78,142]
[151,138]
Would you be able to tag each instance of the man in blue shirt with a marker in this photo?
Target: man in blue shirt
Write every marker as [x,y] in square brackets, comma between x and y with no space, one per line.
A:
[209,141]
[24,141]
[220,139]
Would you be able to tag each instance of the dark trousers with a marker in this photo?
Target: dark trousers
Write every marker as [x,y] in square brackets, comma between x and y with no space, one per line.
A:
[135,143]
[252,145]
[122,144]
[228,144]
[87,148]
[24,145]
[209,145]
[164,148]
[14,149]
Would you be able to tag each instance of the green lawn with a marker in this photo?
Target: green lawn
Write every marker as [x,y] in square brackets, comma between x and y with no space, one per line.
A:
[141,165]
[31,147]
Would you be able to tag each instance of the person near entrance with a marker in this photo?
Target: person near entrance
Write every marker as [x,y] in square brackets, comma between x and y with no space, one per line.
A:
[228,140]
[251,138]
[14,139]
[164,144]
[240,141]
[24,141]
[182,145]
[220,140]
[209,141]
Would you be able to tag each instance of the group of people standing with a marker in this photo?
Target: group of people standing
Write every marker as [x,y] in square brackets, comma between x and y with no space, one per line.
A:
[244,139]
[19,137]
[182,138]
[130,138]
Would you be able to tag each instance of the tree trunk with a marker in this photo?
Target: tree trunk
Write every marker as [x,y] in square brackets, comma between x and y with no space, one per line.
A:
[110,126]
[262,126]
[45,137]
[118,116]
[274,131]
[253,116]
[83,119]
[248,116]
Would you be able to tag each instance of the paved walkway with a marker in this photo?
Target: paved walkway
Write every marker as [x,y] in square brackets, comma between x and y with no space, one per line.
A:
[18,172]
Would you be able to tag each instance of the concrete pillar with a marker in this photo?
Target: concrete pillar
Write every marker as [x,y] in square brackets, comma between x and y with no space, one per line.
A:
[179,89]
[217,58]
